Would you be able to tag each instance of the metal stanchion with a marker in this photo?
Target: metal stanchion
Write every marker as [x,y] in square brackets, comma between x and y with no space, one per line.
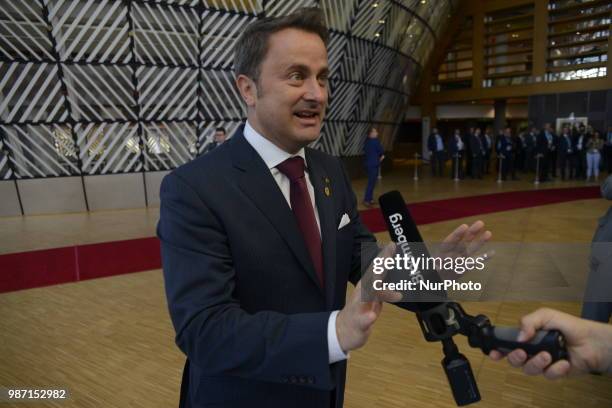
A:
[416,166]
[499,173]
[537,176]
[456,156]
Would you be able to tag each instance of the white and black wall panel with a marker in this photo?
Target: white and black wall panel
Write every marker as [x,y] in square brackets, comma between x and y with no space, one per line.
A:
[100,98]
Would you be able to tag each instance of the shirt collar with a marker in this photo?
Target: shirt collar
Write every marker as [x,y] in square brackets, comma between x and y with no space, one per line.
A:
[271,154]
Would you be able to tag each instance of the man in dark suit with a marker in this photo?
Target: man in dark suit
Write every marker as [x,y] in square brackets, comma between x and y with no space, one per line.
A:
[521,147]
[477,152]
[261,236]
[580,139]
[545,143]
[505,150]
[487,142]
[435,145]
[530,149]
[374,155]
[218,139]
[566,154]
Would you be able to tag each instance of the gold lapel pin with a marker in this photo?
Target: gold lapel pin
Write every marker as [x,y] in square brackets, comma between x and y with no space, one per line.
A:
[327,190]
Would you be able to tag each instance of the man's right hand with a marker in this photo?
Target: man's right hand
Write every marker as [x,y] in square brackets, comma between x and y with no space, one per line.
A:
[354,322]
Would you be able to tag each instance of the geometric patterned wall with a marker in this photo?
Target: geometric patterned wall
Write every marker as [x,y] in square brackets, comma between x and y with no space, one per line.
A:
[120,86]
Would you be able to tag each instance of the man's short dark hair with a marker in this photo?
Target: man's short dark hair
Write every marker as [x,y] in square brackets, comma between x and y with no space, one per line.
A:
[252,45]
[220,129]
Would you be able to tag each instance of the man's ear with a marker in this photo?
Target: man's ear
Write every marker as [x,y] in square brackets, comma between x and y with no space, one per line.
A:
[247,89]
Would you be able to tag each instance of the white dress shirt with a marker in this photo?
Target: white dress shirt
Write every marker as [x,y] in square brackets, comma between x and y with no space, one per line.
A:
[273,155]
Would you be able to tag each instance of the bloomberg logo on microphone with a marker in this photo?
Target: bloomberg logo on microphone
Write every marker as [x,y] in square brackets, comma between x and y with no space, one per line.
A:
[404,245]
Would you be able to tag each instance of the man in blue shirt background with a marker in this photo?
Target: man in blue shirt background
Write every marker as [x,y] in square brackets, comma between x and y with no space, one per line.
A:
[374,155]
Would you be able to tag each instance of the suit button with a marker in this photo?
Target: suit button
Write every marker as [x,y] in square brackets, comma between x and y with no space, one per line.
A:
[292,379]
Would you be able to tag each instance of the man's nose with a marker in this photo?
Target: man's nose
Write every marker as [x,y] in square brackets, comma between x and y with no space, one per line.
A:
[315,92]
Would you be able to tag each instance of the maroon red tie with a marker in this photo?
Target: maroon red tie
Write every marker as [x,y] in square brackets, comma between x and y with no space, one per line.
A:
[303,210]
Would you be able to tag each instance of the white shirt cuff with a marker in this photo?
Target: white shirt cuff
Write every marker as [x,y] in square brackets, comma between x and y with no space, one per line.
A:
[335,351]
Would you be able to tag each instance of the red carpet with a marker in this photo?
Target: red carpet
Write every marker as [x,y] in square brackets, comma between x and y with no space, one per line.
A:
[428,212]
[46,267]
[70,264]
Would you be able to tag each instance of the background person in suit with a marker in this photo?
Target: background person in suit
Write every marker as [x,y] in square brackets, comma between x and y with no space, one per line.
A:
[521,148]
[374,155]
[580,143]
[435,145]
[468,152]
[457,150]
[553,154]
[487,142]
[530,149]
[261,236]
[545,143]
[566,154]
[505,149]
[477,152]
[218,139]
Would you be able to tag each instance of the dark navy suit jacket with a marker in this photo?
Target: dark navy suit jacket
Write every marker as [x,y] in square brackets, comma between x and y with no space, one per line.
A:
[373,151]
[243,294]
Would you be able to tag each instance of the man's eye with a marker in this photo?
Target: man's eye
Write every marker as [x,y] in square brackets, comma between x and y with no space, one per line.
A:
[296,76]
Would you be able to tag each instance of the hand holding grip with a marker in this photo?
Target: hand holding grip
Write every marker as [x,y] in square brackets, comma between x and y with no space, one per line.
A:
[504,340]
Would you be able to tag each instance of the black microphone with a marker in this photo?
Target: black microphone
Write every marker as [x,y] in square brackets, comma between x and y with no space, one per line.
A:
[441,319]
[405,234]
[432,315]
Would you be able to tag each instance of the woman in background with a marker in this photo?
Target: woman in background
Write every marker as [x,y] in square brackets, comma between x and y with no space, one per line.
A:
[374,154]
[593,155]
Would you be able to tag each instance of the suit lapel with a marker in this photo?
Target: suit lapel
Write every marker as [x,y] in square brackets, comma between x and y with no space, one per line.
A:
[258,184]
[325,204]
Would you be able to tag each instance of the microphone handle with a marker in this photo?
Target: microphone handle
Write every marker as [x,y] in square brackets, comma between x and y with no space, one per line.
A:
[503,339]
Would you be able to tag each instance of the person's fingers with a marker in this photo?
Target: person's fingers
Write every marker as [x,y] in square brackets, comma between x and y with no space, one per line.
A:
[373,306]
[536,364]
[365,320]
[456,236]
[389,296]
[388,251]
[364,289]
[355,298]
[557,370]
[474,229]
[453,242]
[517,358]
[495,355]
[478,242]
[469,235]
[376,308]
[532,322]
[357,288]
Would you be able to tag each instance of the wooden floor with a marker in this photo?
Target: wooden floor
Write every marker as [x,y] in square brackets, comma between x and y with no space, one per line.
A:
[50,231]
[110,341]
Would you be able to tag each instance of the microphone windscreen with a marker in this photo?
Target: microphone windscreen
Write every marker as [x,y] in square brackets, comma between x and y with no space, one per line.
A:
[404,232]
